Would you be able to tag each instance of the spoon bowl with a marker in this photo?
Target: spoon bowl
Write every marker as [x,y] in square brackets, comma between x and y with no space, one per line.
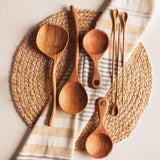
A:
[99,143]
[115,13]
[115,109]
[52,40]
[96,42]
[124,17]
[73,97]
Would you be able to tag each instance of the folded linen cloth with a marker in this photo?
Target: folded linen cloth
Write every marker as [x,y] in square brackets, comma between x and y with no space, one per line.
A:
[58,142]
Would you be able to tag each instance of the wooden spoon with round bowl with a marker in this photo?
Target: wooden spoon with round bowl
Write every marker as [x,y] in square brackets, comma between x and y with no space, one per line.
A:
[52,40]
[99,143]
[96,42]
[73,97]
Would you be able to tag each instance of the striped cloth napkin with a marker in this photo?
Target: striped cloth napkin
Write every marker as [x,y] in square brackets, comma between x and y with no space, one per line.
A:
[58,142]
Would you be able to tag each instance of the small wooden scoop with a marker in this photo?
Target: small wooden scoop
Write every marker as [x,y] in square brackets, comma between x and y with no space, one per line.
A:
[52,40]
[73,97]
[99,143]
[96,42]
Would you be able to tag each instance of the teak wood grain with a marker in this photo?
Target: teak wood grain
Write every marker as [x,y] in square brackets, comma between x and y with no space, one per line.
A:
[124,20]
[115,105]
[52,40]
[96,42]
[99,143]
[115,15]
[73,97]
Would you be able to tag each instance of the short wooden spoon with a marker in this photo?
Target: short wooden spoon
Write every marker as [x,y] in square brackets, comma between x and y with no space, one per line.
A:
[99,143]
[96,42]
[52,40]
[73,97]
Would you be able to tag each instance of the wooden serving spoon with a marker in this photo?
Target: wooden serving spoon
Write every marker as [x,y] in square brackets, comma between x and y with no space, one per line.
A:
[99,143]
[115,106]
[124,20]
[115,15]
[73,97]
[96,42]
[52,40]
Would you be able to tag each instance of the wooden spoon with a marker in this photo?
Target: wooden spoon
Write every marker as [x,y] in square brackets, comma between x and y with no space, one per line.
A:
[124,20]
[73,97]
[99,143]
[115,15]
[96,42]
[115,106]
[52,40]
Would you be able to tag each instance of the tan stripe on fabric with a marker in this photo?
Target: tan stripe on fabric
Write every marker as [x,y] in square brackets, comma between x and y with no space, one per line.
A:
[130,29]
[47,150]
[59,114]
[55,132]
[128,46]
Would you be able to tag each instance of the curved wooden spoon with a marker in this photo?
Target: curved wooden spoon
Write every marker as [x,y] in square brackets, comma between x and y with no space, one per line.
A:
[73,97]
[52,40]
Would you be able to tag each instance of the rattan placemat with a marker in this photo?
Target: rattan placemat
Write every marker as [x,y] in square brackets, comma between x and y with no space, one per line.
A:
[31,81]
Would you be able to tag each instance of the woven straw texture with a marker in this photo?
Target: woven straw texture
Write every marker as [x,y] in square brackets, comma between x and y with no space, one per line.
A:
[31,80]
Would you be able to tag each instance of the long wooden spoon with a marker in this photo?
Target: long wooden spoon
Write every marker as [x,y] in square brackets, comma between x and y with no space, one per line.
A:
[99,143]
[124,20]
[96,42]
[73,97]
[115,106]
[115,15]
[52,40]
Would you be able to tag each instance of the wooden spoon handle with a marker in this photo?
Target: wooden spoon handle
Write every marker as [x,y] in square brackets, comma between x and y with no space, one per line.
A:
[54,94]
[75,67]
[114,36]
[118,62]
[103,106]
[123,61]
[96,77]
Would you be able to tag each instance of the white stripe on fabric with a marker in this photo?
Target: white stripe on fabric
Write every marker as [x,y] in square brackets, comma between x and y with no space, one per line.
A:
[29,156]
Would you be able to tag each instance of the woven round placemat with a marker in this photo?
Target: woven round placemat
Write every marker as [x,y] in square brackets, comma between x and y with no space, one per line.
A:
[31,80]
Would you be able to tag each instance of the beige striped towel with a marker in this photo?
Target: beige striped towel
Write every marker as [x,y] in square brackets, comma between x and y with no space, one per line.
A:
[58,142]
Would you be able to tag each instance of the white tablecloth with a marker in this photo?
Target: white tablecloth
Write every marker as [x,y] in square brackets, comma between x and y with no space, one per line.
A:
[17,18]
